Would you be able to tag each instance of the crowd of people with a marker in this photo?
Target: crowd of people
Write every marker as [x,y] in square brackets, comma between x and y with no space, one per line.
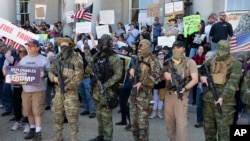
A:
[156,83]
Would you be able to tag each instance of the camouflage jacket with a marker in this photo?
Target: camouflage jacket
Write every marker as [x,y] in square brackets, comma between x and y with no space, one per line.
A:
[229,88]
[71,77]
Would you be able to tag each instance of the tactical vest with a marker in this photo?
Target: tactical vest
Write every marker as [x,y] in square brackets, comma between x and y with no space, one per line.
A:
[219,70]
[102,69]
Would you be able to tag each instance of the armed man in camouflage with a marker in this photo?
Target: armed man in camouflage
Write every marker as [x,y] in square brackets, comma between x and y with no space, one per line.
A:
[107,70]
[66,104]
[149,72]
[226,72]
[181,75]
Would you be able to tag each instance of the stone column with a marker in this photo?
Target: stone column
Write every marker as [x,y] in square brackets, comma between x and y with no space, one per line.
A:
[96,9]
[67,5]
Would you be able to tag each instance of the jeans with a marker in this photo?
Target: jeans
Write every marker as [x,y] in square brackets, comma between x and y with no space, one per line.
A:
[87,100]
[123,102]
[199,103]
[7,97]
[213,46]
[1,91]
[17,102]
[192,52]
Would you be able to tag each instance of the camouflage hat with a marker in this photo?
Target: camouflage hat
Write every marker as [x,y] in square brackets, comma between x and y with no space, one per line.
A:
[223,46]
[146,42]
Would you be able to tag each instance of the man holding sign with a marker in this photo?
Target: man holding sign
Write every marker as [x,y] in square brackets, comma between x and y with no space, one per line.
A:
[33,96]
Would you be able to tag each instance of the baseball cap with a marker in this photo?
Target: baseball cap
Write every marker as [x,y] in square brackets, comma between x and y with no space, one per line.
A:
[131,24]
[146,42]
[32,41]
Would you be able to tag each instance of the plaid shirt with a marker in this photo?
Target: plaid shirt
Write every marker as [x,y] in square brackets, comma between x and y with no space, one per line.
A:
[199,59]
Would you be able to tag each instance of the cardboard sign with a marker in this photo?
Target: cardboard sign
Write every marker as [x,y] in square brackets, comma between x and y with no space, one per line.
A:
[125,61]
[142,18]
[166,41]
[100,30]
[40,11]
[153,10]
[174,8]
[234,18]
[15,33]
[191,24]
[83,27]
[107,17]
[23,76]
[68,16]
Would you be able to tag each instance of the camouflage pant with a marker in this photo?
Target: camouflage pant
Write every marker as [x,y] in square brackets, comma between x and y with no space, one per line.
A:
[66,105]
[139,113]
[214,123]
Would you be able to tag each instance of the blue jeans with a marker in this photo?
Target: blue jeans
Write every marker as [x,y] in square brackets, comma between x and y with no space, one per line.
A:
[199,103]
[192,52]
[213,46]
[7,97]
[87,100]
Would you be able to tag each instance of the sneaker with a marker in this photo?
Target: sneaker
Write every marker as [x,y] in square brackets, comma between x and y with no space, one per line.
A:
[198,125]
[15,126]
[24,120]
[26,129]
[128,127]
[84,113]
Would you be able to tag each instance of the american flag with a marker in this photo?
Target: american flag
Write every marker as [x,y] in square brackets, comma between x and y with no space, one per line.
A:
[240,42]
[15,45]
[85,13]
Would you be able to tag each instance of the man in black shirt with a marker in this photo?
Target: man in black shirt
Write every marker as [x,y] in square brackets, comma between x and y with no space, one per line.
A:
[220,31]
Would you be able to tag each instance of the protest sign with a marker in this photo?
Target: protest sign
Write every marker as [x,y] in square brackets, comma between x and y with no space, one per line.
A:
[107,17]
[174,8]
[153,10]
[234,18]
[125,61]
[142,18]
[166,41]
[83,27]
[15,33]
[40,11]
[191,24]
[169,8]
[81,1]
[100,30]
[68,16]
[23,75]
[91,44]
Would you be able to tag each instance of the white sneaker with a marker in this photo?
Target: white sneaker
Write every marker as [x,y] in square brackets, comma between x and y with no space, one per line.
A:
[153,115]
[15,126]
[26,128]
[160,115]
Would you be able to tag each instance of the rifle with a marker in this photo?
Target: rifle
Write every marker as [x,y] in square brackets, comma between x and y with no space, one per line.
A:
[60,76]
[212,87]
[135,79]
[176,80]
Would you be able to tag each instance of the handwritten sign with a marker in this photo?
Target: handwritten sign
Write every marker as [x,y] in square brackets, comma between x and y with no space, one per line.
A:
[83,27]
[125,61]
[107,17]
[100,30]
[191,24]
[142,18]
[15,33]
[40,11]
[169,8]
[174,8]
[166,41]
[68,16]
[234,18]
[23,76]
[153,10]
[81,1]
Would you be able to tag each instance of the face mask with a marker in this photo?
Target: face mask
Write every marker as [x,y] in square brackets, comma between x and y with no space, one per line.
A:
[66,51]
[222,55]
[178,55]
[145,52]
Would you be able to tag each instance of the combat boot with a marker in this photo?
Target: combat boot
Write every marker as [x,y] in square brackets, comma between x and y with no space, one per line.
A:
[98,138]
[160,114]
[153,114]
[31,134]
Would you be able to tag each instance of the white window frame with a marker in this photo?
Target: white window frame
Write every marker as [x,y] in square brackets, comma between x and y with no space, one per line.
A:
[235,1]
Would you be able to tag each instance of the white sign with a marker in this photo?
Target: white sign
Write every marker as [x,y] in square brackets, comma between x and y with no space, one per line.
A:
[166,41]
[169,8]
[178,6]
[90,43]
[143,18]
[81,1]
[40,11]
[15,33]
[83,27]
[68,16]
[107,17]
[100,30]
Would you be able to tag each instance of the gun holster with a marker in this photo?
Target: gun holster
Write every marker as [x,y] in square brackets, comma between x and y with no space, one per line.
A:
[112,102]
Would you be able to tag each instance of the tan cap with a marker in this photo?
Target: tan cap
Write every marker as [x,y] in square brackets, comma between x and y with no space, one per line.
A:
[145,41]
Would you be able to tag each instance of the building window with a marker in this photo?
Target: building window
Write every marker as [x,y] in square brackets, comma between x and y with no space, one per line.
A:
[140,6]
[23,11]
[237,5]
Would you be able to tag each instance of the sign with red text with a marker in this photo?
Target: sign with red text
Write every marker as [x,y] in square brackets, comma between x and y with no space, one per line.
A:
[23,75]
[15,33]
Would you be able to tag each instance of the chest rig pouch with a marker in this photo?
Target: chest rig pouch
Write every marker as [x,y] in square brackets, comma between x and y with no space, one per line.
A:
[103,69]
[68,71]
[219,70]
